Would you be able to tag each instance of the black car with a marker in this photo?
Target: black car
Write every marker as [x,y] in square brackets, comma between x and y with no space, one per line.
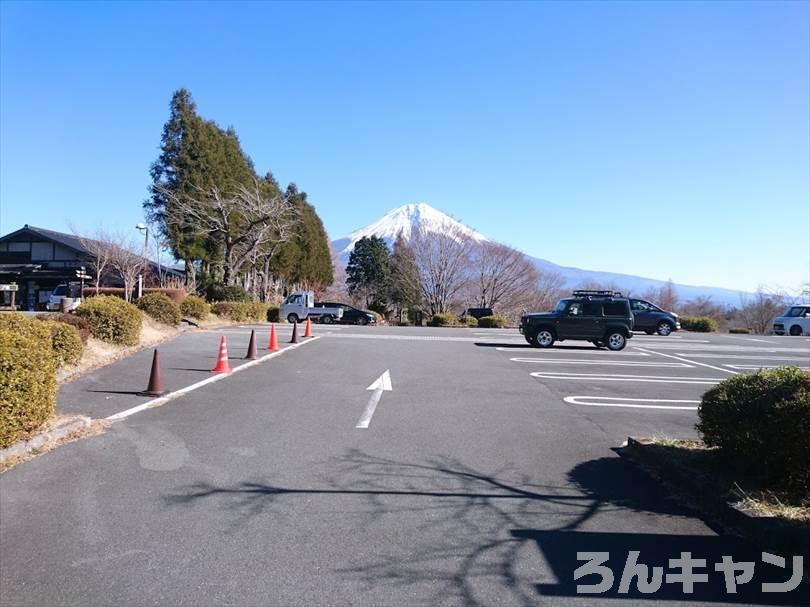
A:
[477,313]
[652,319]
[352,315]
[602,317]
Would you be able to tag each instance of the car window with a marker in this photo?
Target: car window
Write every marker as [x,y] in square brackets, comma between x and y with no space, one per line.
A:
[575,309]
[615,308]
[561,305]
[794,312]
[640,306]
[591,308]
[60,290]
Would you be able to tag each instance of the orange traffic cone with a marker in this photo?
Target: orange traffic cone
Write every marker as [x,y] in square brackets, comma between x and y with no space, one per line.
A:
[272,345]
[156,387]
[294,339]
[308,330]
[251,353]
[222,361]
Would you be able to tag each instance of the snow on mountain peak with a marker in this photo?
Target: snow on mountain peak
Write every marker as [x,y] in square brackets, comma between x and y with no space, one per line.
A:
[404,219]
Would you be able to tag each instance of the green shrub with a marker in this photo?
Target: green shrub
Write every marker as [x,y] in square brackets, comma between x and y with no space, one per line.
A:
[223,293]
[160,307]
[116,291]
[492,322]
[273,314]
[739,330]
[761,422]
[176,295]
[195,307]
[469,321]
[241,311]
[27,377]
[699,324]
[444,319]
[66,343]
[79,323]
[222,309]
[112,319]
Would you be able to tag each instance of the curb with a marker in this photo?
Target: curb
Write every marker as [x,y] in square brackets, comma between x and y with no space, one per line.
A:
[24,447]
[699,494]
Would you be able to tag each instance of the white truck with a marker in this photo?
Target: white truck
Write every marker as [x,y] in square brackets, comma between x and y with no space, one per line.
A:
[795,321]
[301,305]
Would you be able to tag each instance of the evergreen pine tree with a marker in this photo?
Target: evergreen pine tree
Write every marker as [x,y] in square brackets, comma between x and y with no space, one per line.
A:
[369,270]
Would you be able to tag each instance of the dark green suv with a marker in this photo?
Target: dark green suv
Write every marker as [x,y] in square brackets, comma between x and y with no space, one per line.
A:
[602,317]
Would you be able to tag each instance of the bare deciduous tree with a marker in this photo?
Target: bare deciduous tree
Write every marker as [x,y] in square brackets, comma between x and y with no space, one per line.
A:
[101,248]
[127,265]
[759,311]
[443,262]
[245,222]
[502,274]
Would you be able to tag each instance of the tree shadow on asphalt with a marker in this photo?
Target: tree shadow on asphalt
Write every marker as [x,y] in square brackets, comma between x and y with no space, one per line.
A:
[479,533]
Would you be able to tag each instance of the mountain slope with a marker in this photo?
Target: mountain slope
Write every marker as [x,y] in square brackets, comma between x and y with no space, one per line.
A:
[405,218]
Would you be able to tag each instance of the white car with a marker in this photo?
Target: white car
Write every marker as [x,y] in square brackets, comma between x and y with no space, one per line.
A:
[795,321]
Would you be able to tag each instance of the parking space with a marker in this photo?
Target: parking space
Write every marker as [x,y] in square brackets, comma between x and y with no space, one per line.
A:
[654,386]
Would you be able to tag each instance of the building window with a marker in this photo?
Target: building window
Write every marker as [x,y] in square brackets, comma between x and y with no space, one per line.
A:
[41,251]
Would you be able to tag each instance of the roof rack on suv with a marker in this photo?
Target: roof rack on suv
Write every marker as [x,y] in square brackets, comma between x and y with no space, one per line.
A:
[596,293]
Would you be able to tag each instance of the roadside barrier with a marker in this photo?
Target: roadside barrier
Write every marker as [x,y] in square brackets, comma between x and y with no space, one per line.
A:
[156,387]
[294,339]
[223,366]
[252,354]
[308,330]
[272,345]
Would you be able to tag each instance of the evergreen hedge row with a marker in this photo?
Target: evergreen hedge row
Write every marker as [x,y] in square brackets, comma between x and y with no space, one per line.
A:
[160,307]
[195,307]
[699,324]
[111,319]
[27,377]
[492,322]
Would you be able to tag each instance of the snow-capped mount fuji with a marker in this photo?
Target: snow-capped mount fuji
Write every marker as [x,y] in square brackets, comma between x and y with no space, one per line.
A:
[404,220]
[407,217]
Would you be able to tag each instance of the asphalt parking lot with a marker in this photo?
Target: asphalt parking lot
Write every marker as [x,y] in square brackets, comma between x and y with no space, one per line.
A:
[374,466]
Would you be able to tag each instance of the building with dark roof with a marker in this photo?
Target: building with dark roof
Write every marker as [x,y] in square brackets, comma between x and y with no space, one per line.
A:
[38,260]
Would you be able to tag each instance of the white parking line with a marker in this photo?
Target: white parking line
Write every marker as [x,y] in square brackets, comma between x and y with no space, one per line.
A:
[632,403]
[744,357]
[686,360]
[755,367]
[156,402]
[576,351]
[654,379]
[568,361]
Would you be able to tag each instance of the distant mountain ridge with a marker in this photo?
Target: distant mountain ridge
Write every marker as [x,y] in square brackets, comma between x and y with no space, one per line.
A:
[406,218]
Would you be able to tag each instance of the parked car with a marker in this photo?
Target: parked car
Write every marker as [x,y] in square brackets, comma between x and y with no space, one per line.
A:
[301,305]
[652,319]
[61,292]
[351,315]
[795,321]
[602,317]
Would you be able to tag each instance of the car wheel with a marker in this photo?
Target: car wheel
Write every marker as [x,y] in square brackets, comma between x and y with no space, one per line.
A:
[795,330]
[615,341]
[664,328]
[327,320]
[364,321]
[292,318]
[544,339]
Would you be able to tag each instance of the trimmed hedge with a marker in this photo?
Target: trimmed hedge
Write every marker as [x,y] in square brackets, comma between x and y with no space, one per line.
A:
[160,307]
[241,311]
[699,324]
[195,307]
[79,323]
[273,314]
[66,343]
[27,377]
[492,322]
[469,321]
[761,422]
[223,293]
[176,295]
[444,319]
[740,330]
[112,319]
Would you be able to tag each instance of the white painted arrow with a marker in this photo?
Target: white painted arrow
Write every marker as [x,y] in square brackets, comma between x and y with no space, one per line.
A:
[380,385]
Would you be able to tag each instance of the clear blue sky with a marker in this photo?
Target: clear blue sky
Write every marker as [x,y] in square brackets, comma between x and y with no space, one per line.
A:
[669,140]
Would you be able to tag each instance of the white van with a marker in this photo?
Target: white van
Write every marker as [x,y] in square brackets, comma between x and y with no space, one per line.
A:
[795,321]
